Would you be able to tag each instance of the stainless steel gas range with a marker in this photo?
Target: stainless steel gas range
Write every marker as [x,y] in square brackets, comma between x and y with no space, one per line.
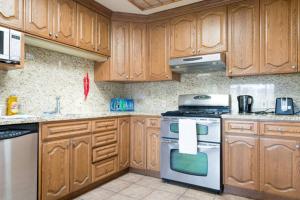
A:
[204,168]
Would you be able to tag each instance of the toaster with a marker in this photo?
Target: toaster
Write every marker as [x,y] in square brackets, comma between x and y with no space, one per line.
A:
[284,106]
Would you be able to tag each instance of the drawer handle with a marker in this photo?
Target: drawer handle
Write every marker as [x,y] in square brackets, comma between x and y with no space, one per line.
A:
[298,146]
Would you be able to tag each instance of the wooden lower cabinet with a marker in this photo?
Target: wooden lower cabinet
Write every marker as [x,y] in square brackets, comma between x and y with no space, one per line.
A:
[124,143]
[104,168]
[241,159]
[80,173]
[55,169]
[153,149]
[280,167]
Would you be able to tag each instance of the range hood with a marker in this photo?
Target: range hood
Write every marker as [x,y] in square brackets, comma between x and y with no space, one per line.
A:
[199,64]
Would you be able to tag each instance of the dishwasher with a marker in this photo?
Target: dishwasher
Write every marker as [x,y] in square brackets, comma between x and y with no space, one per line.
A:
[18,162]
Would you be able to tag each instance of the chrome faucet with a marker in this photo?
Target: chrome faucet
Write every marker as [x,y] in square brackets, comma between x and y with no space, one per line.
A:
[57,108]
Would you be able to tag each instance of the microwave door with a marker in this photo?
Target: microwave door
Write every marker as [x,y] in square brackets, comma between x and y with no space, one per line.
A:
[4,44]
[15,46]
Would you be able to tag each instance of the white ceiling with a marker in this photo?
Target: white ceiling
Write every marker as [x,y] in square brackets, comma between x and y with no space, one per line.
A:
[127,7]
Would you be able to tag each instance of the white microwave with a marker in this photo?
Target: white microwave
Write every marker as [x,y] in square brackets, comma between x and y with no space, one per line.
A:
[10,46]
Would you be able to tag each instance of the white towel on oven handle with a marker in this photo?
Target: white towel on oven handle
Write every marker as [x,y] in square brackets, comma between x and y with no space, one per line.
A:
[187,136]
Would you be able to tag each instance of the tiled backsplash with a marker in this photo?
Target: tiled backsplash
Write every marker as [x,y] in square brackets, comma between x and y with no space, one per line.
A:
[162,96]
[48,74]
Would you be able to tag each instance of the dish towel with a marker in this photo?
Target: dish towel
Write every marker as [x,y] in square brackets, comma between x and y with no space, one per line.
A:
[187,136]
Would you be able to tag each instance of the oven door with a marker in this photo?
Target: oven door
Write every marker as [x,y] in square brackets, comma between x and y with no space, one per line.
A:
[4,44]
[208,129]
[202,169]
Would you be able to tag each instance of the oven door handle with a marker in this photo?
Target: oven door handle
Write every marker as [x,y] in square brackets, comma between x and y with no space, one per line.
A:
[169,142]
[208,147]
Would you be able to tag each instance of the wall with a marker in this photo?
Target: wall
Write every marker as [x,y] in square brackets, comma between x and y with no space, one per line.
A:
[162,96]
[48,74]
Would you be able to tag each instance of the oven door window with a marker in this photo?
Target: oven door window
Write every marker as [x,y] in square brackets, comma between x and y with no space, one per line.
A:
[1,42]
[201,129]
[196,165]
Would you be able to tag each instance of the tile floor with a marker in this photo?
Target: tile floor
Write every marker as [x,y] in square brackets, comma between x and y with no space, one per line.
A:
[137,187]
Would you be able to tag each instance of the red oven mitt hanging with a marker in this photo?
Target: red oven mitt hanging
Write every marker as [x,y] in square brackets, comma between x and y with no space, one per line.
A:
[86,84]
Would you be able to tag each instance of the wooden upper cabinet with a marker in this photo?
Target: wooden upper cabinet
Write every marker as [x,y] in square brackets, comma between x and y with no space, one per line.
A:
[11,13]
[212,31]
[243,38]
[159,49]
[81,171]
[103,35]
[138,51]
[86,28]
[278,36]
[138,143]
[153,149]
[280,167]
[124,143]
[120,67]
[183,36]
[39,17]
[64,22]
[241,161]
[55,170]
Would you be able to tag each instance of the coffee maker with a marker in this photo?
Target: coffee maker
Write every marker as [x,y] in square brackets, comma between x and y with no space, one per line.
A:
[245,103]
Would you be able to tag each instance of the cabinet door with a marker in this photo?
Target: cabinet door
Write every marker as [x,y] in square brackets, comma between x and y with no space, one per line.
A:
[80,175]
[278,36]
[280,167]
[153,149]
[103,35]
[243,38]
[138,55]
[86,28]
[241,161]
[159,46]
[211,31]
[39,17]
[55,170]
[124,143]
[183,36]
[120,51]
[11,13]
[65,21]
[138,143]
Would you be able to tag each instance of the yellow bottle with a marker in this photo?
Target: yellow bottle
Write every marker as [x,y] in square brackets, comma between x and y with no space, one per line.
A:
[12,105]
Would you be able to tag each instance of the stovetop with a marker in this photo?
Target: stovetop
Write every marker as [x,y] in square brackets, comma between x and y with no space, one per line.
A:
[207,114]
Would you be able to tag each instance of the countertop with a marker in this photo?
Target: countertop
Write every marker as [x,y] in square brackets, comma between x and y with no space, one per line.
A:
[262,117]
[50,118]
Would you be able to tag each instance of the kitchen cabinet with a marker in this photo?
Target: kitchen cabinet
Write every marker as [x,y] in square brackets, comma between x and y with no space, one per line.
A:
[153,149]
[212,31]
[120,65]
[64,21]
[11,13]
[279,26]
[80,167]
[86,28]
[55,169]
[124,143]
[279,167]
[103,38]
[138,51]
[138,143]
[39,18]
[241,158]
[243,38]
[183,36]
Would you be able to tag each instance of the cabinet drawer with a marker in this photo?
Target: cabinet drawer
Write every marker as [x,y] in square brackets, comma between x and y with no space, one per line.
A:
[104,138]
[243,127]
[153,122]
[280,129]
[65,129]
[104,169]
[104,152]
[104,124]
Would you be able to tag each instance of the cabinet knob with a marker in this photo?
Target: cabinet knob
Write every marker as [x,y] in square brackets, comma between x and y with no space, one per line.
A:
[230,71]
[199,51]
[293,66]
[194,51]
[56,35]
[167,76]
[298,146]
[127,77]
[50,33]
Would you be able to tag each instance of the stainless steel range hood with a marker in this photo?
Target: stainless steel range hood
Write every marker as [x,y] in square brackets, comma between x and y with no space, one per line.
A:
[199,64]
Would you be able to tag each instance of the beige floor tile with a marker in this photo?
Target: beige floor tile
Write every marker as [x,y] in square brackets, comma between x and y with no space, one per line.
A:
[136,191]
[162,195]
[150,182]
[168,187]
[230,197]
[131,177]
[96,194]
[116,185]
[120,197]
[200,195]
[186,198]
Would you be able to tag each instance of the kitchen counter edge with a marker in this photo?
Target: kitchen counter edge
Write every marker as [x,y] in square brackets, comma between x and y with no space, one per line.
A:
[262,117]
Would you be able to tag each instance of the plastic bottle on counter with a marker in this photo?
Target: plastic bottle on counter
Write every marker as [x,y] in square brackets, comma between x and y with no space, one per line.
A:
[12,105]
